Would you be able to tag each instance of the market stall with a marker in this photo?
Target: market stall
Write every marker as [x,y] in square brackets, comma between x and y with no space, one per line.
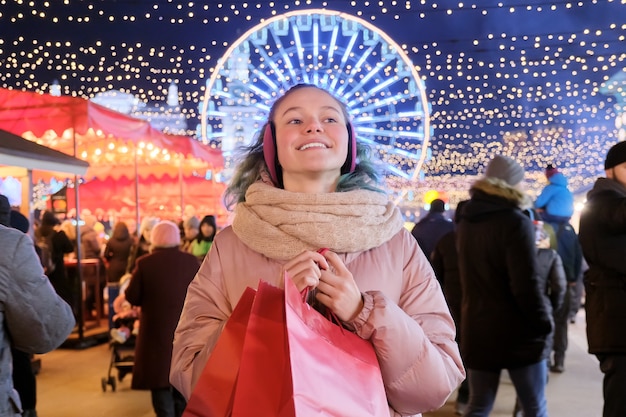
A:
[118,148]
[19,157]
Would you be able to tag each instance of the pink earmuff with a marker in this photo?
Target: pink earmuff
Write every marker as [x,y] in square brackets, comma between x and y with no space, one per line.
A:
[271,159]
[269,151]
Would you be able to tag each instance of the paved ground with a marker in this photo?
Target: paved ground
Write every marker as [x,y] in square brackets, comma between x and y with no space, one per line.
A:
[70,386]
[575,393]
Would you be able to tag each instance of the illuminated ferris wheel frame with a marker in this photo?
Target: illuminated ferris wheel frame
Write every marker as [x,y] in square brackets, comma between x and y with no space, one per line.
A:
[371,102]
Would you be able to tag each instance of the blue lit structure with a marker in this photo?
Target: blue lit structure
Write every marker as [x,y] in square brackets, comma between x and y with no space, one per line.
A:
[346,55]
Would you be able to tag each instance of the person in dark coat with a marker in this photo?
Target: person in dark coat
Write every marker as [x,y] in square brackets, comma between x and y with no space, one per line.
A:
[602,235]
[445,262]
[505,322]
[117,251]
[159,285]
[432,227]
[60,246]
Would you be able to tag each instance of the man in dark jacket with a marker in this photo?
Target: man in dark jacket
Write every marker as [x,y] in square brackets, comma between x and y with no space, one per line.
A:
[432,227]
[505,321]
[602,236]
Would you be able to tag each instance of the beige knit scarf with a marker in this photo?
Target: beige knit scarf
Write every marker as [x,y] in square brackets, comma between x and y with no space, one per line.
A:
[281,224]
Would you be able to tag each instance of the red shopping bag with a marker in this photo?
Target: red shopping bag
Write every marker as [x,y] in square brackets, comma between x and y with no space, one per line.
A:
[213,393]
[297,363]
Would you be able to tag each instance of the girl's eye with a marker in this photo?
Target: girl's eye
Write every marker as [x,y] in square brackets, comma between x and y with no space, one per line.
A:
[295,121]
[331,120]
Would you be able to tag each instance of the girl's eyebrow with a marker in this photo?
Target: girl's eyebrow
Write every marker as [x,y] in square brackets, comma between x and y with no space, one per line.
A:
[295,108]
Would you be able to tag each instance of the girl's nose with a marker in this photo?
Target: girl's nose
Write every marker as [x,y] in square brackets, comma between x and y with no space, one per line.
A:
[314,126]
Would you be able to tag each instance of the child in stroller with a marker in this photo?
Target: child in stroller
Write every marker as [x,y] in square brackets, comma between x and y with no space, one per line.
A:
[126,322]
[126,318]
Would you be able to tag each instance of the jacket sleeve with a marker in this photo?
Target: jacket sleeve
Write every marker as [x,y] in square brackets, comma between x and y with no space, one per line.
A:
[38,319]
[204,314]
[414,339]
[522,268]
[436,260]
[545,196]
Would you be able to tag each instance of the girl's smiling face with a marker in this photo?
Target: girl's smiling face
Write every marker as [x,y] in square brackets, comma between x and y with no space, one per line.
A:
[311,136]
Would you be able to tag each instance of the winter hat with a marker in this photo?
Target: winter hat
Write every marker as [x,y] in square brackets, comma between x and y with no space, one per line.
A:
[437,206]
[192,223]
[506,169]
[165,234]
[19,221]
[146,227]
[550,171]
[616,155]
[5,211]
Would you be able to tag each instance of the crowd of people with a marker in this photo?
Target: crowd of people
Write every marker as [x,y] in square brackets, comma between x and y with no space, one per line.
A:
[169,259]
[453,302]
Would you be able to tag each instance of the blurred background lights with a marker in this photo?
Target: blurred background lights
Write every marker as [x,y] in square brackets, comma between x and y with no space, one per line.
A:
[543,82]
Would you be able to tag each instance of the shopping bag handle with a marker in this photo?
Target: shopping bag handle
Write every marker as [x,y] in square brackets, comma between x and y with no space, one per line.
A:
[308,297]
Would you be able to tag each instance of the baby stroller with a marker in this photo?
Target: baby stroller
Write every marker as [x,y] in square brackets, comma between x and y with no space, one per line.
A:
[123,324]
[122,359]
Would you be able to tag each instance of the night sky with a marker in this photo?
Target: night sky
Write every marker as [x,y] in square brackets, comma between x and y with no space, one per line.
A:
[521,78]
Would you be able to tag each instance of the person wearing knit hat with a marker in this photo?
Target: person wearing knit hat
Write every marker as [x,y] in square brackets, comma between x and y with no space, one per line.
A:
[602,235]
[506,169]
[158,286]
[615,156]
[165,234]
[499,273]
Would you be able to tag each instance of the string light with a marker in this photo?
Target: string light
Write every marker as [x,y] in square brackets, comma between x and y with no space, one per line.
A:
[530,80]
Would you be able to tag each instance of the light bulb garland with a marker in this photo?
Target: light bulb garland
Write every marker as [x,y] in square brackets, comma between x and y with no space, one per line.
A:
[541,82]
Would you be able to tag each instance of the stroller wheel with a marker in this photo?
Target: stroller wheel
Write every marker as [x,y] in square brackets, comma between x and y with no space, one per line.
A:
[104,384]
[113,383]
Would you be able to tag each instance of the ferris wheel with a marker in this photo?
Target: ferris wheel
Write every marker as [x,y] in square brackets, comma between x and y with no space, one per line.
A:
[343,54]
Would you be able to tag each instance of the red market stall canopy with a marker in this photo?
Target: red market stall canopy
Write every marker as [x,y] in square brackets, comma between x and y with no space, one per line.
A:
[114,144]
[103,137]
[159,196]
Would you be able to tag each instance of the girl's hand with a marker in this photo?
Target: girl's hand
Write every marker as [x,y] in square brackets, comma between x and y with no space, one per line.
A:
[305,270]
[336,288]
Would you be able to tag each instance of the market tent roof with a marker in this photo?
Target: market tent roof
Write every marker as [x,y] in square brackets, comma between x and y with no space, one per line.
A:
[111,142]
[19,152]
[162,196]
